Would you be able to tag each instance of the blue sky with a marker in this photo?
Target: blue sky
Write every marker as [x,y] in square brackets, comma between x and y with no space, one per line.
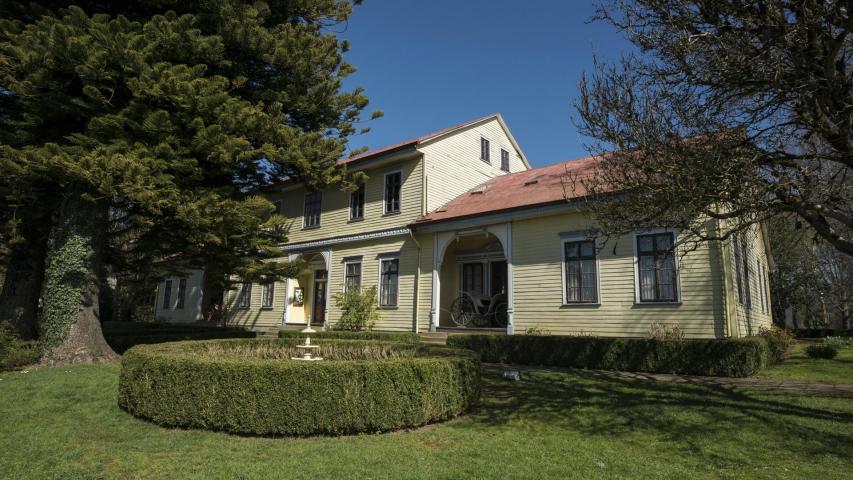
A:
[432,64]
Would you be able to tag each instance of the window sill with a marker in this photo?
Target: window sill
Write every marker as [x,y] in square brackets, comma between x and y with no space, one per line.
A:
[355,220]
[389,307]
[391,214]
[581,305]
[313,227]
[646,304]
[487,162]
[244,308]
[267,308]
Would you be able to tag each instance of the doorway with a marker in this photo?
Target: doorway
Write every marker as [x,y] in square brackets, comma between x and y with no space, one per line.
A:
[318,316]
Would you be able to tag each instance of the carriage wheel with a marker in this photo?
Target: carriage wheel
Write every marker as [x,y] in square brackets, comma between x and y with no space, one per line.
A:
[462,311]
[501,315]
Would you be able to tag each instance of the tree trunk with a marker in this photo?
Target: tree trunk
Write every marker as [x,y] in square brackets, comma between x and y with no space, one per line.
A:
[19,297]
[70,328]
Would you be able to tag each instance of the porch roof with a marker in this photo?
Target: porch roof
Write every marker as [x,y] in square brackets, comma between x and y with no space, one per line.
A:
[539,186]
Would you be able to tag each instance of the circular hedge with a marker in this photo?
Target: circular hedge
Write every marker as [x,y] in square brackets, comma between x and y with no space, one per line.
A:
[252,387]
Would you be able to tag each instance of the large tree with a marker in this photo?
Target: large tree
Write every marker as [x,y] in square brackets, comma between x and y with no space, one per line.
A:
[738,111]
[153,124]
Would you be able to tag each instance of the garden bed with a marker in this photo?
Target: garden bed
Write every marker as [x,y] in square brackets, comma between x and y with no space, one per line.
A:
[253,387]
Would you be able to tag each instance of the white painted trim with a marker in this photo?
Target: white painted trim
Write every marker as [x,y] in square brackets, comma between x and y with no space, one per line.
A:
[316,244]
[579,237]
[510,293]
[385,191]
[328,257]
[198,301]
[650,231]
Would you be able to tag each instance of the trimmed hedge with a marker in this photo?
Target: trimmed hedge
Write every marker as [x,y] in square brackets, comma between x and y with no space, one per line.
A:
[143,328]
[246,386]
[822,350]
[120,343]
[724,358]
[404,337]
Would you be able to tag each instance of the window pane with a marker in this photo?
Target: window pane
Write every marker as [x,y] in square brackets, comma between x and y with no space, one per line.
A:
[646,243]
[587,249]
[581,282]
[572,250]
[167,295]
[182,293]
[664,242]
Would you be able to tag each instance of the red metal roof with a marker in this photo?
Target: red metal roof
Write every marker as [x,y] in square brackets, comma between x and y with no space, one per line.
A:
[539,186]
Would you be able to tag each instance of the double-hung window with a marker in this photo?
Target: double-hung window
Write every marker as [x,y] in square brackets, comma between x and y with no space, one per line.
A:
[656,269]
[744,245]
[389,281]
[245,298]
[393,186]
[356,203]
[267,295]
[311,213]
[352,276]
[473,282]
[484,150]
[738,274]
[167,294]
[182,293]
[504,160]
[580,272]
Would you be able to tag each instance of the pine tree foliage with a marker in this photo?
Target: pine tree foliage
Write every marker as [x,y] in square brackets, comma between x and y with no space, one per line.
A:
[172,116]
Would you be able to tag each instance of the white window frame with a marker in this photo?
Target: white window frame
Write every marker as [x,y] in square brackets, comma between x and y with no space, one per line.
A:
[305,217]
[652,231]
[385,193]
[167,294]
[488,151]
[564,239]
[508,168]
[248,297]
[264,288]
[360,272]
[362,187]
[384,258]
[181,297]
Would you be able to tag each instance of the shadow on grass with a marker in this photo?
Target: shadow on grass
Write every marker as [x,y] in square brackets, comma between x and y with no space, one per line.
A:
[689,414]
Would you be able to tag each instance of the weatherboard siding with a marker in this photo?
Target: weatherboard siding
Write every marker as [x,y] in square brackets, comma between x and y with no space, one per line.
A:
[334,219]
[750,320]
[538,284]
[453,165]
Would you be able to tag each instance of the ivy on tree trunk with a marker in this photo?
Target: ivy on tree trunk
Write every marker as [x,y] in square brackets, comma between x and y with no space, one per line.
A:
[70,327]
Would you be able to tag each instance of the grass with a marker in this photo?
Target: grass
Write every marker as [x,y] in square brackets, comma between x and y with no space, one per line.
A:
[798,366]
[64,423]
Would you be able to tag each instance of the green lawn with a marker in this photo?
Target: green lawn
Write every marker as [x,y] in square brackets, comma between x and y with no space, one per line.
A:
[800,367]
[64,423]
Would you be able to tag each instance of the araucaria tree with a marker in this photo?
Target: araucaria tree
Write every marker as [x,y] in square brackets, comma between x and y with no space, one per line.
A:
[149,126]
[738,111]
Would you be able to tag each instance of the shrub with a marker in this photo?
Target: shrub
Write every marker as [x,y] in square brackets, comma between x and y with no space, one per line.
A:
[120,343]
[837,342]
[822,350]
[359,309]
[14,351]
[404,337]
[151,328]
[727,358]
[663,331]
[779,342]
[251,386]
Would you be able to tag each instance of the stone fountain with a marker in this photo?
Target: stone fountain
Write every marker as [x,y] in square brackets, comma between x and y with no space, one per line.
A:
[307,348]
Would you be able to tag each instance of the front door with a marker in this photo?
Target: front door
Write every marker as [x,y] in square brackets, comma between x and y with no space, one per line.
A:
[319,309]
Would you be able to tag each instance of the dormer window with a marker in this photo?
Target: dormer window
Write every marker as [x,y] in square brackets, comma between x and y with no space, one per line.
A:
[484,150]
[504,160]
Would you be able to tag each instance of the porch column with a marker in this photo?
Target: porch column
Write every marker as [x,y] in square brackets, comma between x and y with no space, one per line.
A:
[327,255]
[436,284]
[286,314]
[510,296]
